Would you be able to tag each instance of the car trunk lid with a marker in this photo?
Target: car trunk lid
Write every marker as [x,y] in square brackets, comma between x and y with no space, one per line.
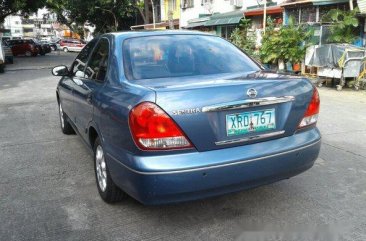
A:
[225,111]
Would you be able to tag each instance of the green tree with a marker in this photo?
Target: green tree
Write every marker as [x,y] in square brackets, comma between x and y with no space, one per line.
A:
[287,43]
[344,25]
[101,13]
[8,7]
[242,38]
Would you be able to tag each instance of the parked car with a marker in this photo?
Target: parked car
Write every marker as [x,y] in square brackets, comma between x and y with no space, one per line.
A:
[52,45]
[2,58]
[46,48]
[9,59]
[23,47]
[43,48]
[178,115]
[74,45]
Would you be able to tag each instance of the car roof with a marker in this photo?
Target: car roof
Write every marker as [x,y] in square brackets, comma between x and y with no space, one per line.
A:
[143,33]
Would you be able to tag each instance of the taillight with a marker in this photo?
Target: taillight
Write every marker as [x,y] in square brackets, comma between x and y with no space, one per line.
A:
[312,112]
[153,129]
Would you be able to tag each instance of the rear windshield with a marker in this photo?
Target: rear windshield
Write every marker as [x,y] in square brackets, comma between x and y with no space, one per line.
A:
[182,55]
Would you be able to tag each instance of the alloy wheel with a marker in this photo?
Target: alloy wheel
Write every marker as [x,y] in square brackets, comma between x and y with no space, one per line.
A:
[101,168]
[61,116]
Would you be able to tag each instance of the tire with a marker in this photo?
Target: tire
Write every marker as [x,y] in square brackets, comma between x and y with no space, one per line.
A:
[53,48]
[65,125]
[2,68]
[28,53]
[66,50]
[107,189]
[11,60]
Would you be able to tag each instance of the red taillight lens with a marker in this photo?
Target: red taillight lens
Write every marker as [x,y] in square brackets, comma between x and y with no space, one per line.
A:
[153,129]
[312,112]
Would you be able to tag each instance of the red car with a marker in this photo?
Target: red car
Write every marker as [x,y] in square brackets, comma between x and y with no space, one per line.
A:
[23,47]
[75,45]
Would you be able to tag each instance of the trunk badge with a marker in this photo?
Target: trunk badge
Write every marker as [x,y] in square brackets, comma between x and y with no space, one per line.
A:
[252,93]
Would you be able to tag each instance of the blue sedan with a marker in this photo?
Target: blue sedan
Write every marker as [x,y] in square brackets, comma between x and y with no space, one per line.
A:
[174,116]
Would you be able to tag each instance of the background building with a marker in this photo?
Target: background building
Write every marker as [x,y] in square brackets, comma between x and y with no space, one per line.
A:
[14,24]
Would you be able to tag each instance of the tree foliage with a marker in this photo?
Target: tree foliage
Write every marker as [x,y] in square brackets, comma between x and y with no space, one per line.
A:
[286,43]
[8,7]
[101,13]
[344,25]
[242,38]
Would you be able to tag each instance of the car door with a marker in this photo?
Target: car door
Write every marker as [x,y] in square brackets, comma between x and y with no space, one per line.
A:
[74,80]
[92,82]
[15,47]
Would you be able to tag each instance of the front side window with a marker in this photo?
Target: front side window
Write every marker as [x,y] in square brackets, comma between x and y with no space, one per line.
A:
[98,63]
[182,55]
[79,63]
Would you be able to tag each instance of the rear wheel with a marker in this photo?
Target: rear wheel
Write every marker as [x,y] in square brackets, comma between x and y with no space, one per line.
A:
[66,50]
[107,189]
[64,122]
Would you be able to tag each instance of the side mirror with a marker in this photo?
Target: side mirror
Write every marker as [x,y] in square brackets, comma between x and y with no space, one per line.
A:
[60,70]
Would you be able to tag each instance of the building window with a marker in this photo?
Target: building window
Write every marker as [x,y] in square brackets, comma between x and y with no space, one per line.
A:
[16,31]
[203,2]
[16,22]
[227,30]
[308,14]
[187,4]
[323,10]
[172,4]
[294,14]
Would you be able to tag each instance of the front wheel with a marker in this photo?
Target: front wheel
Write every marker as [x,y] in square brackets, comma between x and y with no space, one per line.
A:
[107,189]
[66,127]
[66,50]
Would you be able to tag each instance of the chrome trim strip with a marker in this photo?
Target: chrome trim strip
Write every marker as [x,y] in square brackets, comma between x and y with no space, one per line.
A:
[248,103]
[213,167]
[257,137]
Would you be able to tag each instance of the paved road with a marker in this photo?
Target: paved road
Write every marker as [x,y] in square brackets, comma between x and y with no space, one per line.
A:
[48,191]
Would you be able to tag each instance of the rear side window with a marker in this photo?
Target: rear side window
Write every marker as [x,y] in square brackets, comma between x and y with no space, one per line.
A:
[98,63]
[182,55]
[79,63]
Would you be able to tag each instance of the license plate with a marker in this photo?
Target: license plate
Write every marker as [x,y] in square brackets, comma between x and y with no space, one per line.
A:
[253,121]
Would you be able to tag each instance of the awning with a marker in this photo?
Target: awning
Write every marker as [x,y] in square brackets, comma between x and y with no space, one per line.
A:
[225,18]
[328,2]
[258,12]
[197,22]
[314,2]
[160,25]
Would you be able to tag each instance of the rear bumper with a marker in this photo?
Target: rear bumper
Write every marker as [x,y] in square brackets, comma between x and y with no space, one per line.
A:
[231,169]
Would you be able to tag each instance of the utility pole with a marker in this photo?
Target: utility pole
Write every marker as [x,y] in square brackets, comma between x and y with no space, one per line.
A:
[170,19]
[351,5]
[153,12]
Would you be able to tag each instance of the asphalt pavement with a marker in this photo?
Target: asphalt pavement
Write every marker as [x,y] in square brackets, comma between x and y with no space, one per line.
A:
[48,190]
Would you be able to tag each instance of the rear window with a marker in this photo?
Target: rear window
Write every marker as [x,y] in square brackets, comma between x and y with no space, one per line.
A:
[182,55]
